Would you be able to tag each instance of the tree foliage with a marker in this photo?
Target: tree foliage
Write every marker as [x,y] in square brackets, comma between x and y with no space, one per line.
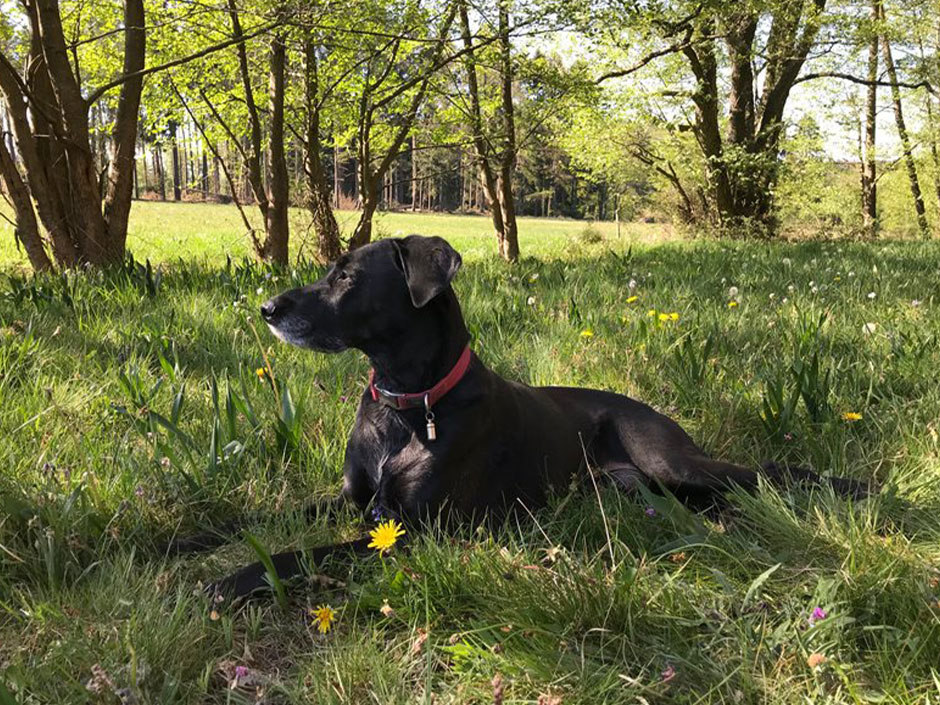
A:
[670,108]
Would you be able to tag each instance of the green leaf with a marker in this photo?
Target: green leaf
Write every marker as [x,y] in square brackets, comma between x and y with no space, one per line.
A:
[265,558]
[6,696]
[756,584]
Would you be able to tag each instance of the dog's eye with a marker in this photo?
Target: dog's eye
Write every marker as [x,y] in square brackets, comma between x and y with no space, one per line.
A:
[342,275]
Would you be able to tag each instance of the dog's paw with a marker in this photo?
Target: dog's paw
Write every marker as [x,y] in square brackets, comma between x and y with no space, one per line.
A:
[238,586]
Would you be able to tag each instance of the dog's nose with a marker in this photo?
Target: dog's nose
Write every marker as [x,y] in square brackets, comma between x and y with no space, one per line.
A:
[268,309]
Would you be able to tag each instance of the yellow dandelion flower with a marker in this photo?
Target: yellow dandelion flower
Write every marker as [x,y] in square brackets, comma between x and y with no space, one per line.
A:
[385,535]
[664,317]
[732,304]
[633,298]
[651,312]
[261,372]
[673,316]
[851,416]
[587,333]
[323,616]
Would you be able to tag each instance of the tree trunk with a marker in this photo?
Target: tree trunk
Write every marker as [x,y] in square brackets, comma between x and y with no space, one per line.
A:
[742,170]
[253,155]
[145,168]
[931,125]
[123,167]
[161,172]
[487,178]
[27,228]
[85,217]
[906,148]
[509,243]
[337,172]
[934,155]
[707,124]
[79,190]
[205,175]
[276,241]
[414,173]
[869,165]
[175,152]
[318,190]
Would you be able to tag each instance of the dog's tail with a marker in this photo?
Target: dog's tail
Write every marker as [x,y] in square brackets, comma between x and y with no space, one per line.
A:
[784,475]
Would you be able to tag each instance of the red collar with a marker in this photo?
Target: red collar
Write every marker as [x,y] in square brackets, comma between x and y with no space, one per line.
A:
[428,397]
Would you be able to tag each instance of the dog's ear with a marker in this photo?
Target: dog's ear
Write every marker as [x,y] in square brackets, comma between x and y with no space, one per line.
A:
[429,265]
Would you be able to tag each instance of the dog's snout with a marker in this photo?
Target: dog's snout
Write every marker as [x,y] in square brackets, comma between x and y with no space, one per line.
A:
[274,310]
[268,309]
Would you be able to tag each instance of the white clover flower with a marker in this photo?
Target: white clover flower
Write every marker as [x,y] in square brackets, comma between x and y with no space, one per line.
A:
[259,291]
[530,301]
[632,284]
[871,295]
[791,288]
[869,328]
[915,303]
[733,292]
[787,262]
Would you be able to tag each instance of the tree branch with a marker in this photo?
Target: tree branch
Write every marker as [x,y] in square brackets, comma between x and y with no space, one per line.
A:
[96,94]
[671,49]
[865,81]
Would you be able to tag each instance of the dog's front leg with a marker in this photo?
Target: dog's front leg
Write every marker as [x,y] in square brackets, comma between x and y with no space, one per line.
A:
[287,565]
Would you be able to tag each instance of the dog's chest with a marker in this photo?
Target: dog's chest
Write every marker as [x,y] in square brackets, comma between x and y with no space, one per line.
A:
[399,461]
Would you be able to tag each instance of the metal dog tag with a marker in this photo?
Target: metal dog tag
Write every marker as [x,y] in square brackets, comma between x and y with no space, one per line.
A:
[429,417]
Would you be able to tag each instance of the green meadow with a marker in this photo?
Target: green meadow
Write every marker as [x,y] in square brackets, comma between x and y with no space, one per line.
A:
[132,410]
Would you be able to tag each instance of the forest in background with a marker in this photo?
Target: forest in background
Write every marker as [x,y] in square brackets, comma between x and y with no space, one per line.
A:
[749,119]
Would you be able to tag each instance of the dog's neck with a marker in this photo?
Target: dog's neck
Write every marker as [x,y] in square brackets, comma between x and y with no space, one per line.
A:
[426,352]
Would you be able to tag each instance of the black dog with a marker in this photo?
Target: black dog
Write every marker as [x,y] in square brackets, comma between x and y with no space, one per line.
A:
[436,431]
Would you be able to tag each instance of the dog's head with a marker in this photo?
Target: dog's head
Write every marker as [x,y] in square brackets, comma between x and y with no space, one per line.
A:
[376,292]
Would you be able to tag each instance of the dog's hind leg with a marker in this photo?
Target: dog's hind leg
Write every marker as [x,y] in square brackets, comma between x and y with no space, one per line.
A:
[783,475]
[704,473]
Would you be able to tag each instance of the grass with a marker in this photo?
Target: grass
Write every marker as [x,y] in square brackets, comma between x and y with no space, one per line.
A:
[133,410]
[163,232]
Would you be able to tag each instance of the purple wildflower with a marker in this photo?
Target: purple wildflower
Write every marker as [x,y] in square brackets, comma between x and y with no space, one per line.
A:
[650,512]
[668,674]
[817,614]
